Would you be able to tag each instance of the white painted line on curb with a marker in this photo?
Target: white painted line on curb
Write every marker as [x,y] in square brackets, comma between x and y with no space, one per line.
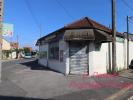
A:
[119,93]
[131,98]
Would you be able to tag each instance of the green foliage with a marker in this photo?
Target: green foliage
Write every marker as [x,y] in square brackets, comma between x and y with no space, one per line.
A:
[26,50]
[117,69]
[6,53]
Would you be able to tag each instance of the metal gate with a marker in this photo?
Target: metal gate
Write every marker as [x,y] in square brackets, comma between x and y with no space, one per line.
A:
[78,58]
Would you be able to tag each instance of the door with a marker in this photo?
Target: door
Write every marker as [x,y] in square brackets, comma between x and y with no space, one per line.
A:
[78,58]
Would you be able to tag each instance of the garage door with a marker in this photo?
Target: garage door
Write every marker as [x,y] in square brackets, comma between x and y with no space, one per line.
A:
[78,58]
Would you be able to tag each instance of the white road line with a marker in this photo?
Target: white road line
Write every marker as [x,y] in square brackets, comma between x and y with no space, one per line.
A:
[131,98]
[119,93]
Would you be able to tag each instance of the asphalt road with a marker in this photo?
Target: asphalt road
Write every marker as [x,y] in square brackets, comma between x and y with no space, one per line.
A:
[6,65]
[26,80]
[9,66]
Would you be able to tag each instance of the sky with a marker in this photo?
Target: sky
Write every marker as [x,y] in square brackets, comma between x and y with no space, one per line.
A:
[35,18]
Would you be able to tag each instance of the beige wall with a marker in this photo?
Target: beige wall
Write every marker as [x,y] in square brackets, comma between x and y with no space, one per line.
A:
[5,45]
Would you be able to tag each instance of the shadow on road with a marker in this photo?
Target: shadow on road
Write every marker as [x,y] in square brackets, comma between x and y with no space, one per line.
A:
[33,65]
[131,71]
[19,98]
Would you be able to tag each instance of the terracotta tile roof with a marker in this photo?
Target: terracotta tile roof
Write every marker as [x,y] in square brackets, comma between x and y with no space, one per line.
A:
[83,23]
[88,23]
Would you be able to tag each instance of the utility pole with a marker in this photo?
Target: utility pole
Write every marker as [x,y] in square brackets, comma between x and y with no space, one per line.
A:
[1,20]
[17,46]
[127,42]
[114,37]
[18,41]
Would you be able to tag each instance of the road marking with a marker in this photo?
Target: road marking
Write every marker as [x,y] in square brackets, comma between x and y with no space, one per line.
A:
[119,93]
[131,98]
[9,60]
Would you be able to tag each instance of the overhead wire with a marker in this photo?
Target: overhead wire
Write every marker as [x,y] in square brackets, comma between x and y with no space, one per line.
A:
[33,16]
[65,10]
[127,5]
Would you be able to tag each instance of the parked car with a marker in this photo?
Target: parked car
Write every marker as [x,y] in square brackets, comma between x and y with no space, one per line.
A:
[131,65]
[27,56]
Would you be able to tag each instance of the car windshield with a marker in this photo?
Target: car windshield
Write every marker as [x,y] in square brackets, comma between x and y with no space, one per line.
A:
[27,54]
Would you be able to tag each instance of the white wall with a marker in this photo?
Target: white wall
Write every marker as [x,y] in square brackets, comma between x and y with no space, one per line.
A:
[123,56]
[57,65]
[91,59]
[125,53]
[43,61]
[14,55]
[130,51]
[100,59]
[120,56]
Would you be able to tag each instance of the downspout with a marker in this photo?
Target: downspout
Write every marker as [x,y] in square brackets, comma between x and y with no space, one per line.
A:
[109,51]
[88,57]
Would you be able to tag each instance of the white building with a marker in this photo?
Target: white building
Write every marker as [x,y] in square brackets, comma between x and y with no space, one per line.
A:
[82,47]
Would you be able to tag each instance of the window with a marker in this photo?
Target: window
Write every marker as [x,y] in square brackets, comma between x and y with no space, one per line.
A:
[54,50]
[43,54]
[61,55]
[98,46]
[0,4]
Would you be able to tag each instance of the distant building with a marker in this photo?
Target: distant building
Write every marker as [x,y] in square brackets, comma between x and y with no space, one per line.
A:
[6,45]
[28,48]
[9,49]
[14,45]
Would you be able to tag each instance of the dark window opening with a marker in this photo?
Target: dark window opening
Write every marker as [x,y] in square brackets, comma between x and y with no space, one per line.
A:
[54,50]
[98,46]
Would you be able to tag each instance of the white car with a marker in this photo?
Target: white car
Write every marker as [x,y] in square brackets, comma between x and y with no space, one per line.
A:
[27,56]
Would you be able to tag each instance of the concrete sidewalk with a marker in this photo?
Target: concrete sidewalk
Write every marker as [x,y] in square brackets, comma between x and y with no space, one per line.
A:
[8,60]
[28,80]
[127,74]
[126,93]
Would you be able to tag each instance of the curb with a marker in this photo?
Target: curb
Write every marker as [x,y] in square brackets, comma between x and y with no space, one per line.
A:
[119,93]
[9,60]
[130,98]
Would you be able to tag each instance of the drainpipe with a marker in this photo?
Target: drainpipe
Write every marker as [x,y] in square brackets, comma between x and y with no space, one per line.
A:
[109,52]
